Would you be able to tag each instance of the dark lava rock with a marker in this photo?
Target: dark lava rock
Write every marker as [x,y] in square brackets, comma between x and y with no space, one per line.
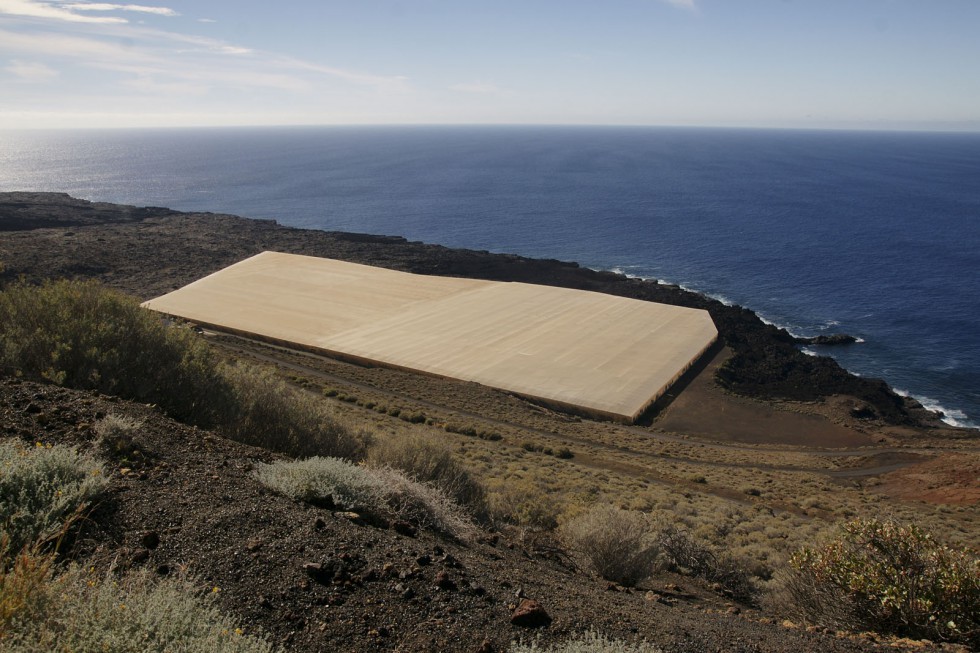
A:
[530,614]
[835,339]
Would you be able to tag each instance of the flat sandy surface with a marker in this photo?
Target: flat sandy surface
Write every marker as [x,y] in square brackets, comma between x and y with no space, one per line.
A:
[591,351]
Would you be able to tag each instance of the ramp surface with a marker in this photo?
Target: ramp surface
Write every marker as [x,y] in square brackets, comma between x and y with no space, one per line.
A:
[587,351]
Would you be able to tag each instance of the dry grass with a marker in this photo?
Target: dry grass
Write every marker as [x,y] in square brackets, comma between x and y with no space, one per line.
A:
[620,545]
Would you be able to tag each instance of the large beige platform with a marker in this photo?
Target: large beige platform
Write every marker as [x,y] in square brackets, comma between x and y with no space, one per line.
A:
[587,351]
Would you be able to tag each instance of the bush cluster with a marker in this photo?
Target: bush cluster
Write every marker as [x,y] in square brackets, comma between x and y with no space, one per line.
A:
[79,612]
[428,460]
[618,544]
[890,578]
[265,411]
[83,335]
[379,493]
[689,555]
[41,489]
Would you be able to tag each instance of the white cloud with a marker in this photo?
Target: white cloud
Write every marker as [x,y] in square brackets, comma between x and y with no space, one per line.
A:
[206,20]
[35,9]
[31,71]
[105,6]
[683,4]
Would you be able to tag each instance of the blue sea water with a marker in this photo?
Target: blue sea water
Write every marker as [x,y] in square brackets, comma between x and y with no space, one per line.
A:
[876,234]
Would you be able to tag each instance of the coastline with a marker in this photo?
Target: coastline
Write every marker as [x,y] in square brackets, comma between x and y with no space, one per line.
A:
[147,251]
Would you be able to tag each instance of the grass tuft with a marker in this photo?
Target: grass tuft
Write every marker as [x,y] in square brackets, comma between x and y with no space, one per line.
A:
[589,642]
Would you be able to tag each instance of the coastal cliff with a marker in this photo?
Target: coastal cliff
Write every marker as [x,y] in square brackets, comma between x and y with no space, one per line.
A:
[147,251]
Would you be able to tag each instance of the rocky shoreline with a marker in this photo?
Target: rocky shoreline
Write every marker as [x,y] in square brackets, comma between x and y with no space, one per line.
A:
[148,251]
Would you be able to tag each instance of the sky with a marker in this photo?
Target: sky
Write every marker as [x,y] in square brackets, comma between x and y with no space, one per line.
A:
[865,64]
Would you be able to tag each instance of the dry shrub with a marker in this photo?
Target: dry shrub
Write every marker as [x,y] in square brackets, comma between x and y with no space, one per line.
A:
[688,555]
[618,544]
[890,578]
[429,460]
[25,585]
[382,494]
[266,412]
[525,503]
[43,489]
[589,642]
[132,615]
[424,505]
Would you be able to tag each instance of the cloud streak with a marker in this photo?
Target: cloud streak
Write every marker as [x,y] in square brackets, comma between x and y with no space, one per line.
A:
[104,6]
[31,71]
[33,9]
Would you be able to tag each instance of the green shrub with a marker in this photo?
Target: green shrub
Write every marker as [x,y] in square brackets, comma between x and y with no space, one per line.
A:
[688,555]
[82,335]
[890,578]
[85,614]
[428,460]
[324,481]
[590,642]
[618,544]
[41,489]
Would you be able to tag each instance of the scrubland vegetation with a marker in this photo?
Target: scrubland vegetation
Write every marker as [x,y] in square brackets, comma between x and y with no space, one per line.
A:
[45,606]
[884,577]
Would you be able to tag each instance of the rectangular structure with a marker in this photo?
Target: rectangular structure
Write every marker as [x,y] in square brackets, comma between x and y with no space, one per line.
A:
[587,351]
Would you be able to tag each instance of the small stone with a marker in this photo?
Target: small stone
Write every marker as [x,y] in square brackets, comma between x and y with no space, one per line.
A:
[486,647]
[423,560]
[352,517]
[369,576]
[444,582]
[319,572]
[530,614]
[141,556]
[408,593]
[253,544]
[734,609]
[319,524]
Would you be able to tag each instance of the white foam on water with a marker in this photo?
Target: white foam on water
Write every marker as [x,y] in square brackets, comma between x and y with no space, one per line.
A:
[809,352]
[950,416]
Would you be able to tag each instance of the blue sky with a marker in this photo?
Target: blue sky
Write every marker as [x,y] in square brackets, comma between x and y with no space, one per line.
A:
[894,64]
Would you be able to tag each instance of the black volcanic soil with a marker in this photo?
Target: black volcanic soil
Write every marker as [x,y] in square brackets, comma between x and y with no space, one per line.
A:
[150,251]
[189,504]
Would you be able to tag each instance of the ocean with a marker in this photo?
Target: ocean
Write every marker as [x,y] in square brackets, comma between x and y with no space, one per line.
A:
[875,234]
